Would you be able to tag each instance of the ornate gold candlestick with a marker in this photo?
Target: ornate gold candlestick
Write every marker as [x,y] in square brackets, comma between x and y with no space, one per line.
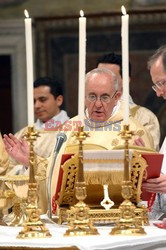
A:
[127,224]
[79,222]
[33,227]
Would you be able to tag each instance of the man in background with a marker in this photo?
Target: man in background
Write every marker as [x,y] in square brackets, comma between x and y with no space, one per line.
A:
[48,99]
[157,67]
[113,62]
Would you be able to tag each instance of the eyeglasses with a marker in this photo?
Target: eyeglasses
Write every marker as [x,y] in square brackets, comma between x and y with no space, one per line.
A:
[158,85]
[102,98]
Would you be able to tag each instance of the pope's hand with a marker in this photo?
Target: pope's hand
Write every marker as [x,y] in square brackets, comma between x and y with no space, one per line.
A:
[18,149]
[155,185]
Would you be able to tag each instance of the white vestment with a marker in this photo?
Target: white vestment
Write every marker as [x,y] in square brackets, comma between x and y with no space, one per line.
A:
[148,119]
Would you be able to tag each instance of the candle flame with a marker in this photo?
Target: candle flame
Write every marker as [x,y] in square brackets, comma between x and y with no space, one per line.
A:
[123,10]
[26,13]
[81,13]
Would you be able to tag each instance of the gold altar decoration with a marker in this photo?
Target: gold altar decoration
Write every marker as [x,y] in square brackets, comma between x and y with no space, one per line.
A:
[33,227]
[17,216]
[95,192]
[102,216]
[18,187]
[79,222]
[127,223]
[4,196]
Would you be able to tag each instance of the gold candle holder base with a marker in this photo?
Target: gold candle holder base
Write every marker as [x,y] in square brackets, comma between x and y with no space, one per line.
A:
[79,221]
[127,223]
[33,227]
[34,230]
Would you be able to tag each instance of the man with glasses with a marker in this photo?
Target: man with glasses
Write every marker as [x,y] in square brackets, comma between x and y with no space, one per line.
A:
[143,115]
[157,67]
[99,107]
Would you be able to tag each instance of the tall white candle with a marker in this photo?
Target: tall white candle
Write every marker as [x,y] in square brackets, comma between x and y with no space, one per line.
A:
[29,66]
[82,63]
[125,63]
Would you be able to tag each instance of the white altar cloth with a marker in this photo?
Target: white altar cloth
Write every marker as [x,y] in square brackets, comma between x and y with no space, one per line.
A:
[155,239]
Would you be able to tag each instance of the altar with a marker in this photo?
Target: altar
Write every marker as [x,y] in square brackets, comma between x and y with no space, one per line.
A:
[129,230]
[155,238]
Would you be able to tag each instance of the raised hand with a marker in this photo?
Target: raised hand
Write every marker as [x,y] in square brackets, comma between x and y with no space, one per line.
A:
[18,149]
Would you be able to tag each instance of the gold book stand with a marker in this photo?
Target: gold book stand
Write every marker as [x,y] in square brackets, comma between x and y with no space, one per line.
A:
[95,192]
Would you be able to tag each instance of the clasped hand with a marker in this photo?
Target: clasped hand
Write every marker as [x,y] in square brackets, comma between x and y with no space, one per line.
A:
[155,185]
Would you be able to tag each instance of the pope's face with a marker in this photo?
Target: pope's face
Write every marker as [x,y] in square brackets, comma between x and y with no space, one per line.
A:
[158,76]
[100,85]
[46,105]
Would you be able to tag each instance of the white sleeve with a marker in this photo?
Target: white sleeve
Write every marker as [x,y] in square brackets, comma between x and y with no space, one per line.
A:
[163,151]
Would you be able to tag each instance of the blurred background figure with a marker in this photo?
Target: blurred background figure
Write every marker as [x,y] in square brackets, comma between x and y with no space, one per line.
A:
[48,99]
